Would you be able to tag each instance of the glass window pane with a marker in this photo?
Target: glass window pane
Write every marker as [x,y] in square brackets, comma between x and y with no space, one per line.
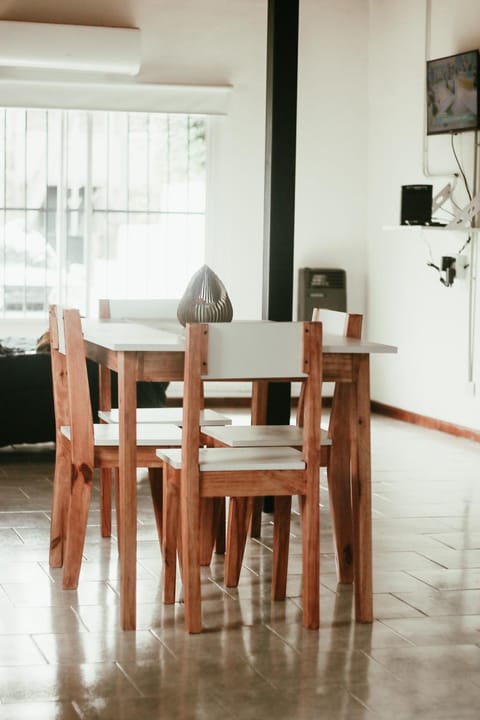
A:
[117,161]
[99,160]
[158,156]
[98,204]
[15,181]
[2,156]
[138,152]
[36,158]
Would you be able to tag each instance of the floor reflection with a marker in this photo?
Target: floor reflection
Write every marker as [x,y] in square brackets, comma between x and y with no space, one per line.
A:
[63,656]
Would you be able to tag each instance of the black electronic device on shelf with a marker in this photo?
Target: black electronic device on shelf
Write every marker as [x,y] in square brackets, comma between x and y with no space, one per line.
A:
[416,206]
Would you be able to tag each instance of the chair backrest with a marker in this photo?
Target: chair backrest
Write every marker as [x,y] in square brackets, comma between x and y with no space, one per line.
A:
[333,322]
[138,309]
[69,361]
[252,351]
[150,310]
[59,369]
[339,323]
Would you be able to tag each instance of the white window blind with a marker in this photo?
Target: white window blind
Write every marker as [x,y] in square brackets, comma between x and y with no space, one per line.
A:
[98,204]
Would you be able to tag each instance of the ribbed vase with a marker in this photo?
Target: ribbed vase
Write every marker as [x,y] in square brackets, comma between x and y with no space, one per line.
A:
[205,299]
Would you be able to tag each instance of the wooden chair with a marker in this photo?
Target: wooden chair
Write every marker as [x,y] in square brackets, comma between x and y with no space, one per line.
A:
[82,446]
[245,351]
[162,311]
[335,456]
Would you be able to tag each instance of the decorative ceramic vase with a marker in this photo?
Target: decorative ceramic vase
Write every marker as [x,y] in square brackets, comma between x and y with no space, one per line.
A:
[205,299]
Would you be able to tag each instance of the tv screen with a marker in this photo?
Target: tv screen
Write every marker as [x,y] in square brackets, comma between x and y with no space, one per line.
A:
[452,93]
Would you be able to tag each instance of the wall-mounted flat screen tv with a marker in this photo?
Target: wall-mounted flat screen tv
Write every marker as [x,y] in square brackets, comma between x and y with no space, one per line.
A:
[452,93]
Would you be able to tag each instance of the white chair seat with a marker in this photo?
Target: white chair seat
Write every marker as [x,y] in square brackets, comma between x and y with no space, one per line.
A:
[249,458]
[171,415]
[261,435]
[148,434]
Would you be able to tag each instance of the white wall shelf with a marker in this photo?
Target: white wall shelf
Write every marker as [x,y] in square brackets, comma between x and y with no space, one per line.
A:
[441,228]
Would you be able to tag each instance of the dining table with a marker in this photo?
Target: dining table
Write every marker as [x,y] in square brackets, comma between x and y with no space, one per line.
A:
[149,351]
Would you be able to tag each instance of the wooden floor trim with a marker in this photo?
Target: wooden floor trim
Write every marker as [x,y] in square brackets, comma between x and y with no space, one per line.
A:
[425,421]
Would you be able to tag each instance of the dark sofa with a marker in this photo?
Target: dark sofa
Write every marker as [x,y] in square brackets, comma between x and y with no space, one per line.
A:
[26,397]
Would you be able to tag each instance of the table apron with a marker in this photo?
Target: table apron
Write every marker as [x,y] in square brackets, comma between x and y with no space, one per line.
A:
[337,367]
[168,366]
[150,366]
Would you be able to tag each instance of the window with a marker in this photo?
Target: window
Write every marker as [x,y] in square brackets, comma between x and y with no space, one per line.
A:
[98,204]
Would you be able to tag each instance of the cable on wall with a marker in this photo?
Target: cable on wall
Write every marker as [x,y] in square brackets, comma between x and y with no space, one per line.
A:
[472,284]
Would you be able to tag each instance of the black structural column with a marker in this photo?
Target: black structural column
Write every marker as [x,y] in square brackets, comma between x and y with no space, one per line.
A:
[281,129]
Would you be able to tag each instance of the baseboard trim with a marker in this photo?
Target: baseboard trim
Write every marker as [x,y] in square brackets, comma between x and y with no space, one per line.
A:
[425,421]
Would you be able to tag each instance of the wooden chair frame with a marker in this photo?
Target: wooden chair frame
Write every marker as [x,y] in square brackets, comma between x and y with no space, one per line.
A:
[335,457]
[188,482]
[77,454]
[151,309]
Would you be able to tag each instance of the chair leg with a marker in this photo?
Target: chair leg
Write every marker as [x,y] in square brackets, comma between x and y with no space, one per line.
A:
[212,528]
[190,557]
[311,556]
[259,411]
[281,542]
[239,514]
[220,533]
[256,523]
[208,524]
[82,478]
[60,501]
[156,488]
[106,502]
[170,535]
[116,479]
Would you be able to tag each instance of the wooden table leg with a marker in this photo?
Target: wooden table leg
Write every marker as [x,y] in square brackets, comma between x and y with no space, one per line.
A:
[105,403]
[339,488]
[361,490]
[258,417]
[127,506]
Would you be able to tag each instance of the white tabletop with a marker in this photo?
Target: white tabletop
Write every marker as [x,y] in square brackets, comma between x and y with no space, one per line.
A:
[342,344]
[136,336]
[120,336]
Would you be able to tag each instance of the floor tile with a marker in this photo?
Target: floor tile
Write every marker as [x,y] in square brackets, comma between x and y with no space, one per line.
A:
[427,631]
[449,602]
[63,656]
[69,683]
[19,650]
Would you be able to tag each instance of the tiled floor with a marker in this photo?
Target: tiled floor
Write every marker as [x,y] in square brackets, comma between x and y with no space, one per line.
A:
[62,655]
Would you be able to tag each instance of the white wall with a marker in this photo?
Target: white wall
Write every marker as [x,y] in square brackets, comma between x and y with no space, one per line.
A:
[331,147]
[221,41]
[407,304]
[331,192]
